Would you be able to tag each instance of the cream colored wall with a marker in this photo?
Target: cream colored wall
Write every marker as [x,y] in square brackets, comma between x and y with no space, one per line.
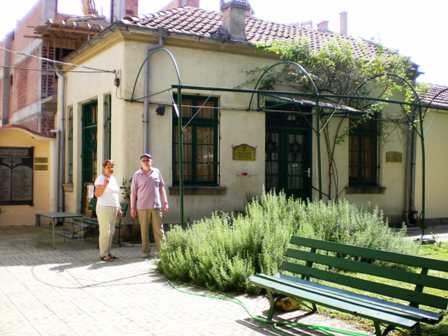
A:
[436,162]
[126,133]
[212,69]
[237,126]
[391,174]
[43,182]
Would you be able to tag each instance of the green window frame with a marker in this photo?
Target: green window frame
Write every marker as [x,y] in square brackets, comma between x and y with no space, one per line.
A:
[363,153]
[69,145]
[200,126]
[107,128]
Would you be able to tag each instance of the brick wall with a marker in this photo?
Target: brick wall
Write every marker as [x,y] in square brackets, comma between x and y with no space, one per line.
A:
[47,123]
[30,80]
[131,7]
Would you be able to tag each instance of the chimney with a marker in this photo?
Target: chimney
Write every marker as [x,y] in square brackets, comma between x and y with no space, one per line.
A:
[181,3]
[121,8]
[323,26]
[234,18]
[343,22]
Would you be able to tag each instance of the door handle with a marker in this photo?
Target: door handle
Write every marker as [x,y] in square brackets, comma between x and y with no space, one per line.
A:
[308,172]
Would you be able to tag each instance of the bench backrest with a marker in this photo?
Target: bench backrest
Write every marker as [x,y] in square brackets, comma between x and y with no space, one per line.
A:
[124,209]
[311,258]
[91,208]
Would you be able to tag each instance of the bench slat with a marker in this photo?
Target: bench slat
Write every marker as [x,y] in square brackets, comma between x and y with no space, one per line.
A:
[398,258]
[366,268]
[373,287]
[331,302]
[391,307]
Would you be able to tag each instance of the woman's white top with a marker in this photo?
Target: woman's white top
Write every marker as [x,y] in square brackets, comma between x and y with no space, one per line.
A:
[110,196]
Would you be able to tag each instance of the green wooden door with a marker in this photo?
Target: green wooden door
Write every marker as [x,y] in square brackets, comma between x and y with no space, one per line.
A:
[89,147]
[288,154]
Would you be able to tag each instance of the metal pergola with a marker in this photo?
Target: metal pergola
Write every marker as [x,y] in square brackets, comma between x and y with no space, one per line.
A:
[319,100]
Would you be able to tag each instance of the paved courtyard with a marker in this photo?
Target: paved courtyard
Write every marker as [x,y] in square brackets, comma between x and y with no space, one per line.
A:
[67,290]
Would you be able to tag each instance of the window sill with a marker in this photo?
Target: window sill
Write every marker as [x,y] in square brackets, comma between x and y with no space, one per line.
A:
[365,190]
[198,190]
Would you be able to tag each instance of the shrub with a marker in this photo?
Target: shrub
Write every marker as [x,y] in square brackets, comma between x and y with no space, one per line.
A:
[221,254]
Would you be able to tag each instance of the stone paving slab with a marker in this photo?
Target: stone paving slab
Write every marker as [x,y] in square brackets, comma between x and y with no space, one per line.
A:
[68,291]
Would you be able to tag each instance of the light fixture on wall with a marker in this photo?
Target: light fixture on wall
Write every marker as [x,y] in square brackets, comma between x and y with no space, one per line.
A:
[160,110]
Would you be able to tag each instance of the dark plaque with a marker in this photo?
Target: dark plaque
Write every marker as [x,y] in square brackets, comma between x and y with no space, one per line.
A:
[16,175]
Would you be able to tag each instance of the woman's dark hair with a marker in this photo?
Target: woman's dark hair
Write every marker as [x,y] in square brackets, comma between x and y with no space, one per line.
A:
[106,162]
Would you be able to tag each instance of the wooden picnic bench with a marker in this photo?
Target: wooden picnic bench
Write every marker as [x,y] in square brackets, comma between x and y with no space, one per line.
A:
[312,268]
[90,221]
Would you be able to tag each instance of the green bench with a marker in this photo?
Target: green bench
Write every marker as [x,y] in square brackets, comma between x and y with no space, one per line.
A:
[81,224]
[403,278]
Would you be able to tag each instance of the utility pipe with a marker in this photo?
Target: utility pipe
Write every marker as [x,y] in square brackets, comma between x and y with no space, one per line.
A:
[61,141]
[6,89]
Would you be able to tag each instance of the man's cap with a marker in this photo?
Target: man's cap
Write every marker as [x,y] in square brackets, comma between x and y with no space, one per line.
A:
[145,154]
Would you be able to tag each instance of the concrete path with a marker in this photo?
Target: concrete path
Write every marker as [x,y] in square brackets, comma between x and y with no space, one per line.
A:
[69,291]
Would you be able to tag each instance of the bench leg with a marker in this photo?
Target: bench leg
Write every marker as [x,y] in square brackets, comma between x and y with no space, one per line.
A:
[272,304]
[417,331]
[377,328]
[387,330]
[119,236]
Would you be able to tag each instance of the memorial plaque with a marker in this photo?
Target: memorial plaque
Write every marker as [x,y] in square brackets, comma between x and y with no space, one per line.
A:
[394,157]
[16,171]
[244,152]
[40,160]
[40,167]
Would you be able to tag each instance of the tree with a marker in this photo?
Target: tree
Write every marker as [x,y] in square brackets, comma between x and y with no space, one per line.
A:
[347,75]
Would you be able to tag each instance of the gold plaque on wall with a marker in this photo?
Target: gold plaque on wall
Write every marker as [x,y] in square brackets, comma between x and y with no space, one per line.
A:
[244,152]
[40,160]
[394,157]
[40,167]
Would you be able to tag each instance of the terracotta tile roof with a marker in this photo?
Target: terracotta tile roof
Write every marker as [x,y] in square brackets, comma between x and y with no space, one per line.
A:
[201,23]
[207,24]
[438,91]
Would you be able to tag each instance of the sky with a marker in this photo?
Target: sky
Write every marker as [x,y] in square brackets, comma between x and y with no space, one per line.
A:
[415,29]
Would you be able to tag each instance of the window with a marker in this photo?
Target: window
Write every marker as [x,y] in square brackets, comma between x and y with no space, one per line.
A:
[199,140]
[363,167]
[69,145]
[16,171]
[107,127]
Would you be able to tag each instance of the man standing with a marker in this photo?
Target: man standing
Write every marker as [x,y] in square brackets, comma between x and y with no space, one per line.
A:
[148,202]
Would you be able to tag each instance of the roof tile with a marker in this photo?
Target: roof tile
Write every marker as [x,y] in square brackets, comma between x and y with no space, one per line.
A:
[203,23]
[207,24]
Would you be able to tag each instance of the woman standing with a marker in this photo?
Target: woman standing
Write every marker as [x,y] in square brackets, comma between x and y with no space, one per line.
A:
[107,208]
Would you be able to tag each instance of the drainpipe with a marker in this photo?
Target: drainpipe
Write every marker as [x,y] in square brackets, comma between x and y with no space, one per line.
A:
[61,142]
[6,89]
[146,86]
[409,191]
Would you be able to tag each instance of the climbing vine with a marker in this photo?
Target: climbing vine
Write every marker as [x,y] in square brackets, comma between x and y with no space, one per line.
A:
[348,74]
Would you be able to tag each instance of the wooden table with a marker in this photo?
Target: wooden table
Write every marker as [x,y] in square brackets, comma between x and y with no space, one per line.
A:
[54,218]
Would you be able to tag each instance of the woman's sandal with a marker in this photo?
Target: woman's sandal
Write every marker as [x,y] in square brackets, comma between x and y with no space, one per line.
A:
[111,256]
[106,258]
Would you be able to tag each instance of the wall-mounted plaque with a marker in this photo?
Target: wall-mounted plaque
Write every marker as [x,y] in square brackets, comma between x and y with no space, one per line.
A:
[394,157]
[244,152]
[40,160]
[40,167]
[16,170]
